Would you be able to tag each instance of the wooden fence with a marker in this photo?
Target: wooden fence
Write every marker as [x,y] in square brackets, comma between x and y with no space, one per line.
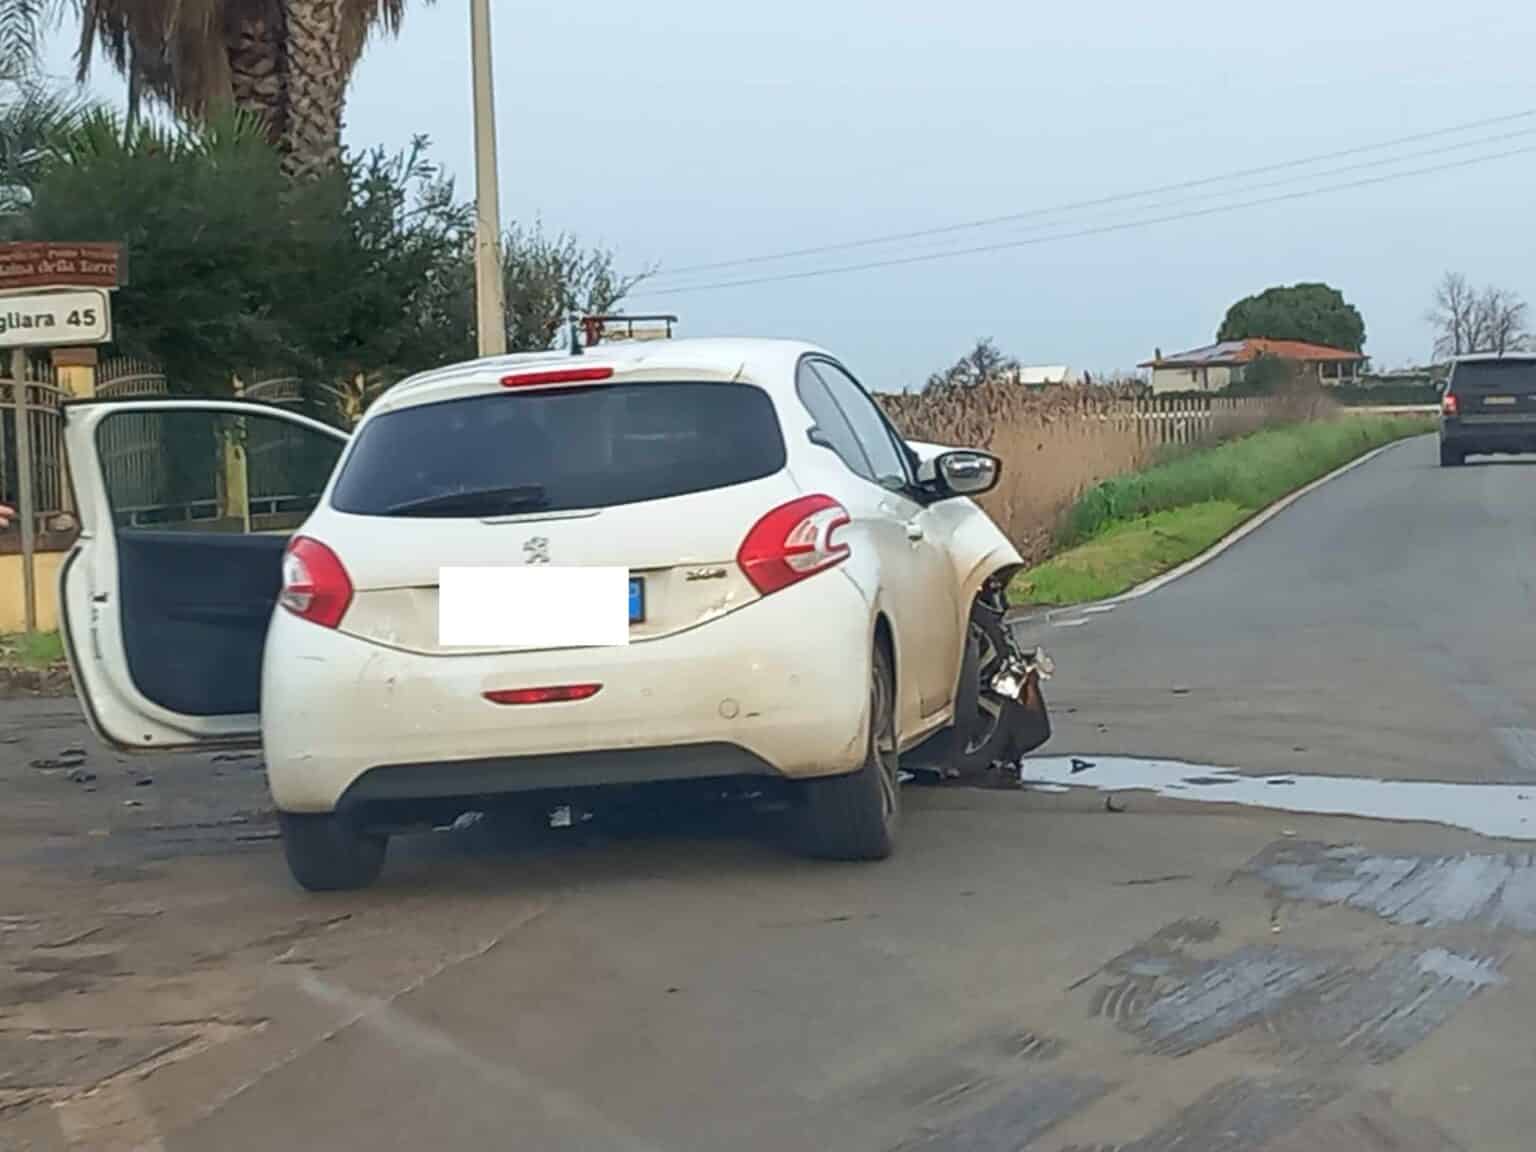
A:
[1057,443]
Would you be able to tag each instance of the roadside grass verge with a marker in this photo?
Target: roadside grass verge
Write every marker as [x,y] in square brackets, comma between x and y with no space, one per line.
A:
[1133,527]
[39,650]
[33,665]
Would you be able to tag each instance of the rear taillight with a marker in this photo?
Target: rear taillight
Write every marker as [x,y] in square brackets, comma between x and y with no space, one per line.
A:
[560,694]
[1448,404]
[315,585]
[792,542]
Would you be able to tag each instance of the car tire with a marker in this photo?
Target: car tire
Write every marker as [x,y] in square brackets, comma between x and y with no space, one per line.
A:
[329,853]
[1451,457]
[856,816]
[982,718]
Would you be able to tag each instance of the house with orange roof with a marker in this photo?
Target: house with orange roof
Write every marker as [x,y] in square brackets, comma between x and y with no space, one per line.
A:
[1217,367]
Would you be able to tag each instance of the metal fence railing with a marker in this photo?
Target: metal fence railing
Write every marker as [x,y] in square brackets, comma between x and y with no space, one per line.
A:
[45,425]
[132,459]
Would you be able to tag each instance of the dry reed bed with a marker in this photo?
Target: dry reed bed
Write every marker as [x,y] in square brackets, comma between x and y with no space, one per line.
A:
[1056,445]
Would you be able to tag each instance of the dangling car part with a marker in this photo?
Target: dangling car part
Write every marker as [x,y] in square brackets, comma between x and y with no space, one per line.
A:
[1000,711]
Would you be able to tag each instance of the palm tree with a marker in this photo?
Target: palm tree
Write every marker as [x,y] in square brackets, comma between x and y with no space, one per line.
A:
[22,24]
[34,120]
[287,62]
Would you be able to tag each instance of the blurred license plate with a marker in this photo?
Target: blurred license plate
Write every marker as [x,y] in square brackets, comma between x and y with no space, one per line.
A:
[1490,401]
[636,599]
[536,606]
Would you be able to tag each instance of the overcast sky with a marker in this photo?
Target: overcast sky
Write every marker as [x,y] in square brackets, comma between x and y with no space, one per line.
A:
[684,132]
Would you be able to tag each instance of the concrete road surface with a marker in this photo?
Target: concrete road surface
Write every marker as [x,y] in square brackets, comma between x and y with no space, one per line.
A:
[1033,970]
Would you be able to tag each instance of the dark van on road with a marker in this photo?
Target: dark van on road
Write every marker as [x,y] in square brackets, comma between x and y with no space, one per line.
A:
[1488,408]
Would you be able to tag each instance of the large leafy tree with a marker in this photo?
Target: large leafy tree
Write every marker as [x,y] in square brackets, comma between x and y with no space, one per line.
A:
[548,278]
[1315,313]
[348,281]
[285,62]
[238,271]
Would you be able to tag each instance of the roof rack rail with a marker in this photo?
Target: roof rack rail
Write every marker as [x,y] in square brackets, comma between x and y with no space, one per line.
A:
[594,328]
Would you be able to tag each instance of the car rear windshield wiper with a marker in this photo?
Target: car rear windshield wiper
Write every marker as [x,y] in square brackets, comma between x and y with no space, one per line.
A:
[476,502]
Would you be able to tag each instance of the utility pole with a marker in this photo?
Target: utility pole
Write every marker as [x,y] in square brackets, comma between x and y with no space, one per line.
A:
[490,309]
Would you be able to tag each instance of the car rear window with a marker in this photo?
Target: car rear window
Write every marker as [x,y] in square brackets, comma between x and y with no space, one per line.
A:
[561,450]
[1509,377]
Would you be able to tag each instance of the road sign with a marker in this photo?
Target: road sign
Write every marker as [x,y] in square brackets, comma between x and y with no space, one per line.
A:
[55,319]
[43,265]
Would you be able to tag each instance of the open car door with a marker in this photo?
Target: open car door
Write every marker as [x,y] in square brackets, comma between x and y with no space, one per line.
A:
[185,508]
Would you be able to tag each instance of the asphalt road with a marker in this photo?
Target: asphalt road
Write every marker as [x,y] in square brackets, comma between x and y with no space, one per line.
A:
[1030,971]
[1381,626]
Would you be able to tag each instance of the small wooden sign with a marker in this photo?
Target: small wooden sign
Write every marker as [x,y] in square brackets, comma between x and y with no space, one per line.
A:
[75,357]
[30,264]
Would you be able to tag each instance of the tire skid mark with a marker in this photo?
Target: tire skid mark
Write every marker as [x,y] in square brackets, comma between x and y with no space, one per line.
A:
[1018,1114]
[1496,890]
[1311,1005]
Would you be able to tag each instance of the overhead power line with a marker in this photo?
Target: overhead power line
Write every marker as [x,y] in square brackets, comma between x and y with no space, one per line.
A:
[1098,202]
[1310,177]
[1100,230]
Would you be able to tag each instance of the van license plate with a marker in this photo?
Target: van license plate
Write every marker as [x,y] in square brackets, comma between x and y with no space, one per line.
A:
[1490,401]
[636,599]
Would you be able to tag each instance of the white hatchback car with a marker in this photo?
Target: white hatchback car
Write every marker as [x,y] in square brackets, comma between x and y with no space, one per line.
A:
[806,597]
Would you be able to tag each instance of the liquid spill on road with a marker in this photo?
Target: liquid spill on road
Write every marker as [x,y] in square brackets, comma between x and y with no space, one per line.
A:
[1507,811]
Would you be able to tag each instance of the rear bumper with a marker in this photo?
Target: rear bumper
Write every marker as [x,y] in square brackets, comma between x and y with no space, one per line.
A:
[512,775]
[777,688]
[1489,436]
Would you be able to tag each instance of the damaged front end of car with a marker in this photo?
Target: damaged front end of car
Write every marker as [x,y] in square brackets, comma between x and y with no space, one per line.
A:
[1000,710]
[1015,682]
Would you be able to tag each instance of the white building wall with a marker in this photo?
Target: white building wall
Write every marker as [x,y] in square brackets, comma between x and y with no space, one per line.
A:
[1208,378]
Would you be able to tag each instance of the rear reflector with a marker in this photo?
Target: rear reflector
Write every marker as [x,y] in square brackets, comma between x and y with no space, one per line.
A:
[792,542]
[556,376]
[563,694]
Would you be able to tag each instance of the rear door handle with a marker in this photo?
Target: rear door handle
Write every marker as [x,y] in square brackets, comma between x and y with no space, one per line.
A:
[914,530]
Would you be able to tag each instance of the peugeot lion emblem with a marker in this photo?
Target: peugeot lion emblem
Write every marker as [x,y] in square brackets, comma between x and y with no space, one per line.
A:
[536,549]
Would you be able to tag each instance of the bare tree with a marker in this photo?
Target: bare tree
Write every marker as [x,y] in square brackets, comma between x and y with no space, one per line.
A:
[1467,320]
[1502,322]
[1454,315]
[982,363]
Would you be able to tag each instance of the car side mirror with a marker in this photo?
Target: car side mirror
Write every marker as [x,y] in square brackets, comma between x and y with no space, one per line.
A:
[961,473]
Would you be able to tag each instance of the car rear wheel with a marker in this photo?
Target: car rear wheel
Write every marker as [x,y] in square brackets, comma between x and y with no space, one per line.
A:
[1451,457]
[855,817]
[329,853]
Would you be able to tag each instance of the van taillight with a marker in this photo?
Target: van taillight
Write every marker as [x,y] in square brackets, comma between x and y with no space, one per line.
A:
[792,542]
[1448,404]
[315,585]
